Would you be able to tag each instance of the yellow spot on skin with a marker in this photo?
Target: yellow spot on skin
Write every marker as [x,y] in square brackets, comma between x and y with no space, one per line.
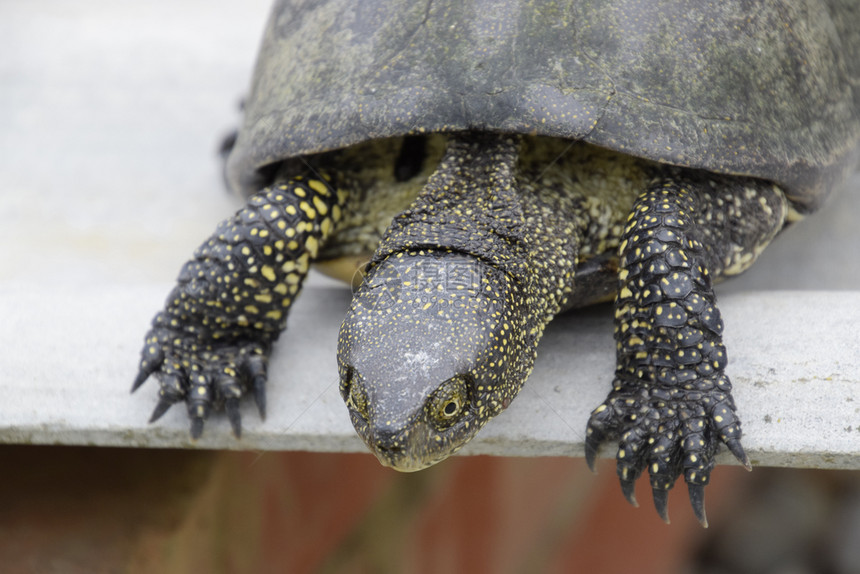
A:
[251,309]
[325,227]
[309,211]
[320,205]
[268,273]
[318,186]
[312,245]
[274,315]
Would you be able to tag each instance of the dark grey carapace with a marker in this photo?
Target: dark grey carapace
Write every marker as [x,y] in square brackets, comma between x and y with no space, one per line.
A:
[499,163]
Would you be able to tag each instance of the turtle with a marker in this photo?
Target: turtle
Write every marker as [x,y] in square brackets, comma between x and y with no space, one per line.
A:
[494,164]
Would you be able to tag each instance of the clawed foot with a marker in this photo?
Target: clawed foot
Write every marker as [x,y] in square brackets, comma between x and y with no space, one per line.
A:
[210,344]
[206,377]
[668,431]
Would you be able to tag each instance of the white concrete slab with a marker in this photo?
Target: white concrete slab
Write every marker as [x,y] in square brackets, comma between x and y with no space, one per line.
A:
[110,115]
[69,358]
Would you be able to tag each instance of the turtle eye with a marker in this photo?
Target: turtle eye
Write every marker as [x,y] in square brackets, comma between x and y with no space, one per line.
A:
[356,398]
[451,408]
[448,403]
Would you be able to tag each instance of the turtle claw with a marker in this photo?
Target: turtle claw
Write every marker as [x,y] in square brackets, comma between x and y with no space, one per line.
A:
[628,487]
[231,405]
[196,427]
[152,357]
[164,404]
[734,446]
[141,377]
[697,500]
[600,425]
[661,503]
[259,386]
[667,435]
[255,368]
[206,376]
[591,446]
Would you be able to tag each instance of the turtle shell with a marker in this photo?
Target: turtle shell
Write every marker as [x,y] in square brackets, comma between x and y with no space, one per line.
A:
[769,89]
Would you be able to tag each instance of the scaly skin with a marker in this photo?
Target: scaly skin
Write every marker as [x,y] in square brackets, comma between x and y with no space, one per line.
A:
[671,402]
[211,342]
[443,333]
[446,314]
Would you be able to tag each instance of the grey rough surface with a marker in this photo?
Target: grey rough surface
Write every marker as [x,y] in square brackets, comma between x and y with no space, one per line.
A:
[723,86]
[110,115]
[74,355]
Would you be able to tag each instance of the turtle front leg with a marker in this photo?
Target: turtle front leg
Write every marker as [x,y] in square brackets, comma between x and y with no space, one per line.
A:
[671,404]
[210,344]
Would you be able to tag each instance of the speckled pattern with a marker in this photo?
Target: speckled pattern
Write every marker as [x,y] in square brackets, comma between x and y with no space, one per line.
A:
[671,401]
[761,90]
[443,332]
[231,300]
[465,281]
[447,303]
[764,89]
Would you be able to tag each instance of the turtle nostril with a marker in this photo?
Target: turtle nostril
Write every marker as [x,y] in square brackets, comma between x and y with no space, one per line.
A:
[388,448]
[387,443]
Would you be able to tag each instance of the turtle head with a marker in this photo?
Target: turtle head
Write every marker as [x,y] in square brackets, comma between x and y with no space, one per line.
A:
[433,346]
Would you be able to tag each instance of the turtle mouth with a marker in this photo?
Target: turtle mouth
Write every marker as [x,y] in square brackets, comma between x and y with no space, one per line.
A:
[402,463]
[406,459]
[415,445]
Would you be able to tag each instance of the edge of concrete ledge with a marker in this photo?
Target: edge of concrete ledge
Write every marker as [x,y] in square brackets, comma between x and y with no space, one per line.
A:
[69,357]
